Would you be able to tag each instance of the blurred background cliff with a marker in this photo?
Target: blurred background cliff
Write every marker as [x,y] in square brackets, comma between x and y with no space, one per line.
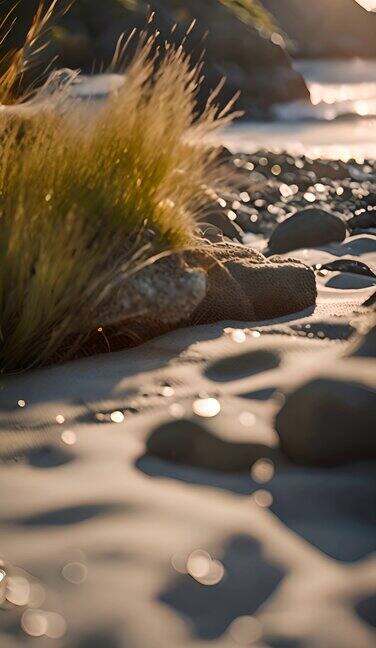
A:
[250,42]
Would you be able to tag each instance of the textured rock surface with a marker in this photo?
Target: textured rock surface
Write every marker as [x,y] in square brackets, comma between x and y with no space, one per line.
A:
[216,282]
[307,228]
[168,288]
[242,284]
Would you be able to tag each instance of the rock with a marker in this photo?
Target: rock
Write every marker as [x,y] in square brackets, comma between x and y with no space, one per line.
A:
[86,37]
[210,233]
[310,227]
[245,55]
[242,284]
[359,175]
[224,155]
[371,301]
[243,219]
[205,285]
[328,422]
[302,180]
[370,200]
[330,169]
[347,194]
[220,220]
[169,288]
[362,221]
[349,265]
[15,38]
[326,28]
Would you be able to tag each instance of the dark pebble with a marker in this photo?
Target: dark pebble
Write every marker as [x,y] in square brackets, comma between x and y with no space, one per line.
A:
[328,422]
[307,228]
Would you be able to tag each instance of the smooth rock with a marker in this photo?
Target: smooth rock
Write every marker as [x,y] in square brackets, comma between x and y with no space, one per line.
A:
[307,228]
[228,227]
[243,219]
[328,422]
[349,265]
[365,220]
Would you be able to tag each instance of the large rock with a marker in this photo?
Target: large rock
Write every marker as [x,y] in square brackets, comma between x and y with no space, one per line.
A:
[223,281]
[247,56]
[308,228]
[328,422]
[86,37]
[326,28]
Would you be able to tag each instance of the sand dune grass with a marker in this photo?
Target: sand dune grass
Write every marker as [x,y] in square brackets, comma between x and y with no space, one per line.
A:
[77,200]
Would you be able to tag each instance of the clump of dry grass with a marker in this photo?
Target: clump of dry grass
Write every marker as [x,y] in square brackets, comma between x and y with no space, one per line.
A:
[15,63]
[75,201]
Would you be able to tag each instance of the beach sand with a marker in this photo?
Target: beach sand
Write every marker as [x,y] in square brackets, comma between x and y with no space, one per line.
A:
[146,502]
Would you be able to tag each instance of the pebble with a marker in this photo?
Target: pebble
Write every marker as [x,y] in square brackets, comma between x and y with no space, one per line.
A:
[328,422]
[308,228]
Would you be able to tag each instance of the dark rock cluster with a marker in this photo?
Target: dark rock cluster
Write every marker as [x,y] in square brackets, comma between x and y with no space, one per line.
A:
[297,202]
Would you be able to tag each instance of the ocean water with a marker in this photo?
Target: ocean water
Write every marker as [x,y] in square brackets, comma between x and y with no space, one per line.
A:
[339,122]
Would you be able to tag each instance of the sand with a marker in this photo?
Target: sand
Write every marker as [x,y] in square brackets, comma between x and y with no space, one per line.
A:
[101,520]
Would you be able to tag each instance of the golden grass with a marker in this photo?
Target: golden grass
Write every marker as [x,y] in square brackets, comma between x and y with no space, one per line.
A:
[77,196]
[15,63]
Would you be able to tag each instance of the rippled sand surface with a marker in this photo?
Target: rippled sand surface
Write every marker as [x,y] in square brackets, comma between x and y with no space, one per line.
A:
[106,544]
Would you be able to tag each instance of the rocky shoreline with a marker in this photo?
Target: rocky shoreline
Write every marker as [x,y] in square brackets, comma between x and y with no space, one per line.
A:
[274,186]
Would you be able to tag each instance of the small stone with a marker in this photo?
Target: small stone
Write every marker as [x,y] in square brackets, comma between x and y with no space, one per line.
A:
[328,422]
[365,220]
[307,228]
[349,265]
[226,225]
